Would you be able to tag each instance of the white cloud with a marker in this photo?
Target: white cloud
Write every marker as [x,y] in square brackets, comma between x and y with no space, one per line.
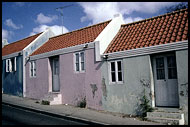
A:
[101,11]
[10,23]
[55,28]
[42,19]
[6,34]
[98,12]
[130,19]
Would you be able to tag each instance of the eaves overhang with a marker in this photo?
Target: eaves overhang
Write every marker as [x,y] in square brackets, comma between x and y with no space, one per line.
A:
[147,50]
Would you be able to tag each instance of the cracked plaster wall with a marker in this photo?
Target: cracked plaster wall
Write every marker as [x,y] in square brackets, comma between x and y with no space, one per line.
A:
[125,98]
[182,74]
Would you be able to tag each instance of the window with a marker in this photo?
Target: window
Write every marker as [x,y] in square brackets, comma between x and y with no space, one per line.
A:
[33,69]
[79,62]
[82,60]
[116,72]
[11,65]
[160,68]
[56,66]
[119,71]
[113,79]
[172,71]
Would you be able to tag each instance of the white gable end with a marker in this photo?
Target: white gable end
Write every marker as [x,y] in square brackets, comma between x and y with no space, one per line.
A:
[107,35]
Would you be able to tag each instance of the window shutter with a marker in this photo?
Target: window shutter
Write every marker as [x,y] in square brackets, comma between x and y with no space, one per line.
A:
[7,62]
[10,66]
[34,68]
[31,69]
[15,63]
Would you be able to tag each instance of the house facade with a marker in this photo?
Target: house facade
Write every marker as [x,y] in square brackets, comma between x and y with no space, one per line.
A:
[13,62]
[68,66]
[112,65]
[150,55]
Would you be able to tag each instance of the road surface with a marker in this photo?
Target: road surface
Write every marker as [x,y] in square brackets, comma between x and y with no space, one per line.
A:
[17,116]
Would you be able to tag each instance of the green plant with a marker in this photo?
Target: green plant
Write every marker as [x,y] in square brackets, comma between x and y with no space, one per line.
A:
[82,103]
[145,105]
[45,102]
[174,123]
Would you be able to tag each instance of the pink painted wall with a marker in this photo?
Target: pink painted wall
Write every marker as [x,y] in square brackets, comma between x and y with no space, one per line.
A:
[73,86]
[37,87]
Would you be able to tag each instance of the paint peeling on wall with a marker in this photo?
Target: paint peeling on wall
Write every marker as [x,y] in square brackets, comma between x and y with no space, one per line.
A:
[104,90]
[145,83]
[100,103]
[94,89]
[184,90]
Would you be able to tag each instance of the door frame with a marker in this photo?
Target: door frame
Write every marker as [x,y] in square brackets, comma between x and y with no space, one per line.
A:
[52,73]
[155,78]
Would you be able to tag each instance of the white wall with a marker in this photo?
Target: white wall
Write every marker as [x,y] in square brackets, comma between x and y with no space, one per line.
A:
[109,32]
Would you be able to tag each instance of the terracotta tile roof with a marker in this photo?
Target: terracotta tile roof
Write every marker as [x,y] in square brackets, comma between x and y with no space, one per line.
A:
[168,28]
[77,37]
[18,45]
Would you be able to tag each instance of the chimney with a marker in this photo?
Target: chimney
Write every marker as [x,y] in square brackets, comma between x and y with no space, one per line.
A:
[117,15]
[4,42]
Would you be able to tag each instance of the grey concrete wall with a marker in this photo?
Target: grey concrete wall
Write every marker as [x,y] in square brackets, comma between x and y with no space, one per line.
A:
[126,97]
[182,74]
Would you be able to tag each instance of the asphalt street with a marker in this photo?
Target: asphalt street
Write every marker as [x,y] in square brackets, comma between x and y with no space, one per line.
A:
[17,116]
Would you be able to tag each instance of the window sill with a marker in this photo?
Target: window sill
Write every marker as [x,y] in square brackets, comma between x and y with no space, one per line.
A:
[78,72]
[116,83]
[33,77]
[58,92]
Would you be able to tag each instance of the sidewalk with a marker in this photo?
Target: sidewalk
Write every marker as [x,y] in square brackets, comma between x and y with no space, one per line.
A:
[76,113]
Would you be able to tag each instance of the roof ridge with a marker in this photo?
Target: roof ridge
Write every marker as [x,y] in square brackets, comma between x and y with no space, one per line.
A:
[23,39]
[80,29]
[155,17]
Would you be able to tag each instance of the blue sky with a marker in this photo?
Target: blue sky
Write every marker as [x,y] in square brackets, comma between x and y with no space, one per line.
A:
[22,19]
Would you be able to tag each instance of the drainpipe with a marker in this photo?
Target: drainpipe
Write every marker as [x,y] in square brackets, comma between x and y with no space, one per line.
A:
[151,83]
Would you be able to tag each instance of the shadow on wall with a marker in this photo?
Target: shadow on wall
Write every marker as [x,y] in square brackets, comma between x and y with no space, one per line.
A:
[143,104]
[12,86]
[99,65]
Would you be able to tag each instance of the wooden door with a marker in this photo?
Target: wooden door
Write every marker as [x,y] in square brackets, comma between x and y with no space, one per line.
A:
[165,77]
[55,75]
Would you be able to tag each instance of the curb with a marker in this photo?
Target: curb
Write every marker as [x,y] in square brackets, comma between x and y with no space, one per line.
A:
[66,117]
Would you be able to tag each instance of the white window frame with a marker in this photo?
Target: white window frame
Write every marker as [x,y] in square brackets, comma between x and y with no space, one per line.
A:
[116,72]
[80,61]
[9,65]
[15,63]
[32,69]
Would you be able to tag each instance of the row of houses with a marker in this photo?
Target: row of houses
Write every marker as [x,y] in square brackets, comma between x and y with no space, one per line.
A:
[108,65]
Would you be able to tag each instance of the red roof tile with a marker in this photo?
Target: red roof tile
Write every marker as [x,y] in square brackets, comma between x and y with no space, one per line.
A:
[168,28]
[77,37]
[18,45]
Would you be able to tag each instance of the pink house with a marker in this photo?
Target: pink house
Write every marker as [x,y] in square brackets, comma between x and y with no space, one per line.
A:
[66,69]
